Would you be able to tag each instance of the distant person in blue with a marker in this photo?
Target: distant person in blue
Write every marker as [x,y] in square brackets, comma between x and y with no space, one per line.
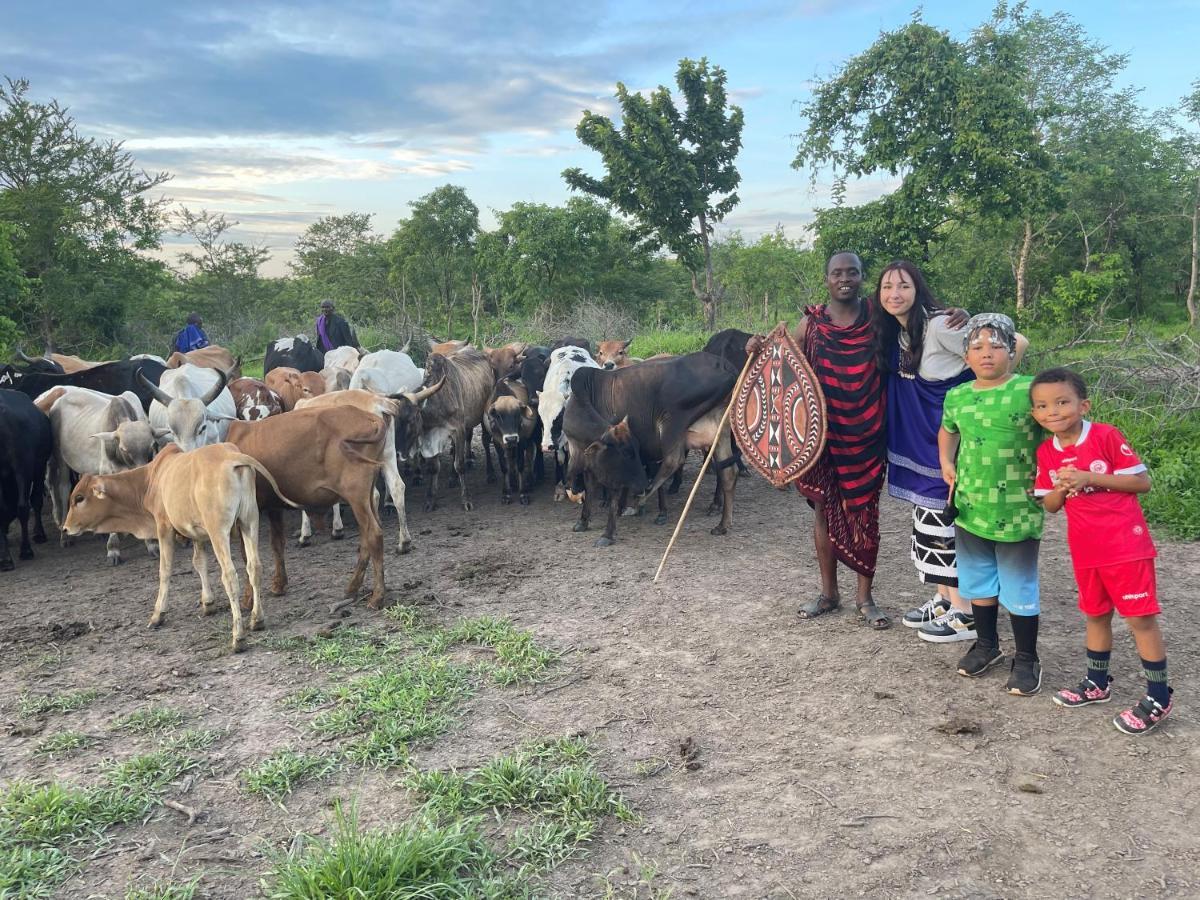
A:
[333,331]
[192,337]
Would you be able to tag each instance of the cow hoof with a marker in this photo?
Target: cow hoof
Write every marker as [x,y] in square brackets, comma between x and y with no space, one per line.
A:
[7,565]
[603,542]
[258,626]
[114,559]
[337,535]
[152,550]
[524,499]
[208,610]
[66,541]
[712,510]
[560,493]
[505,499]
[580,526]
[630,511]
[278,590]
[468,506]
[661,519]
[720,529]
[380,602]
[237,647]
[304,541]
[26,553]
[673,489]
[430,506]
[155,622]
[405,547]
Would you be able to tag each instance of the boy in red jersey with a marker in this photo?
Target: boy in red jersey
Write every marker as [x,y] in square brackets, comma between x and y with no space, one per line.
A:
[1090,469]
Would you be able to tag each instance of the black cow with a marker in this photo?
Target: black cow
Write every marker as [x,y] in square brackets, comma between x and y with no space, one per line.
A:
[108,378]
[298,353]
[512,424]
[572,342]
[730,345]
[40,364]
[671,405]
[25,445]
[610,465]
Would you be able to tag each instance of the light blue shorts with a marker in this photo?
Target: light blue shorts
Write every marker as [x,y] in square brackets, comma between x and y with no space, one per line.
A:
[989,569]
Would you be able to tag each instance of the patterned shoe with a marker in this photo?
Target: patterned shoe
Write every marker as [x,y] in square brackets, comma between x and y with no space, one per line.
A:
[1087,693]
[953,626]
[933,608]
[1145,716]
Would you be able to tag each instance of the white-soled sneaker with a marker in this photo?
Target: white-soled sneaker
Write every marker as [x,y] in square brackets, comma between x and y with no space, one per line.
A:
[933,608]
[953,626]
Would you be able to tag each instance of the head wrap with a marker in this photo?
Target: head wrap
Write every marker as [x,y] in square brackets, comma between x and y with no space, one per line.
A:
[998,324]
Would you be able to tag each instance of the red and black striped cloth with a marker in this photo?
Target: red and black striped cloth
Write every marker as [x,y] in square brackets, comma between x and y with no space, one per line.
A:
[849,474]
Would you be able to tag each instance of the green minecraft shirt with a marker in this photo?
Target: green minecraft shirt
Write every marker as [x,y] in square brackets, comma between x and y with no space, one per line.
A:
[997,460]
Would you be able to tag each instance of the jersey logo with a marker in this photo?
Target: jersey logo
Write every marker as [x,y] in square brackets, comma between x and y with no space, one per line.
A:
[1139,530]
[1126,450]
[1099,466]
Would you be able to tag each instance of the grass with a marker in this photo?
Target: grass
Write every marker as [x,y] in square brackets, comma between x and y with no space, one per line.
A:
[147,775]
[42,704]
[151,720]
[193,739]
[159,889]
[63,743]
[279,774]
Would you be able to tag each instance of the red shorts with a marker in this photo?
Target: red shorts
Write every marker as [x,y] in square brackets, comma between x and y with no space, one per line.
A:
[1129,587]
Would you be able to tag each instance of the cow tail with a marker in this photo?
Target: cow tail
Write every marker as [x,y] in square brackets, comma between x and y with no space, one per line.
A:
[252,463]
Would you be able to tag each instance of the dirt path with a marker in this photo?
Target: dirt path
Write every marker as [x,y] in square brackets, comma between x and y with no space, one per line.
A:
[822,759]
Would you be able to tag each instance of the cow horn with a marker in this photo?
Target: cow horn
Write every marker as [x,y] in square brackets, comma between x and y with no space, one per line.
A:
[216,388]
[407,344]
[21,353]
[155,391]
[425,393]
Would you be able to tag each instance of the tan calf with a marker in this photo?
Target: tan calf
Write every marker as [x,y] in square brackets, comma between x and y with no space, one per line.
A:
[202,495]
[210,357]
[614,354]
[292,385]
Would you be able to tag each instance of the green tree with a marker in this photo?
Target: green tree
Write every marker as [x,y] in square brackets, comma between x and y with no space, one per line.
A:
[772,271]
[1191,109]
[82,209]
[672,173]
[342,258]
[224,284]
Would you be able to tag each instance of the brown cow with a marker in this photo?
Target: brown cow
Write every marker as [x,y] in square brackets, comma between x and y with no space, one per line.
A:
[318,457]
[202,495]
[451,415]
[292,385]
[210,357]
[615,354]
[446,348]
[503,360]
[254,400]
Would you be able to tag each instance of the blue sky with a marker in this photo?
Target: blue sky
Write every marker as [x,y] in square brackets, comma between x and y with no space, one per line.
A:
[279,113]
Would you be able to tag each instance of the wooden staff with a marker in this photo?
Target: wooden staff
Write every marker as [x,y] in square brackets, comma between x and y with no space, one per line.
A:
[704,468]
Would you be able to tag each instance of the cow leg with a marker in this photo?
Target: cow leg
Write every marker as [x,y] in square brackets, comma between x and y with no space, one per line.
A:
[676,481]
[395,486]
[59,479]
[166,558]
[560,475]
[249,545]
[37,497]
[460,465]
[339,529]
[585,507]
[505,464]
[6,562]
[661,518]
[370,547]
[23,489]
[525,456]
[305,529]
[229,578]
[485,438]
[279,582]
[200,565]
[616,499]
[152,548]
[727,475]
[435,465]
[113,549]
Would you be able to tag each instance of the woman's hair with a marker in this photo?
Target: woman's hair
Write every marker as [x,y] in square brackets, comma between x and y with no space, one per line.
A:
[887,326]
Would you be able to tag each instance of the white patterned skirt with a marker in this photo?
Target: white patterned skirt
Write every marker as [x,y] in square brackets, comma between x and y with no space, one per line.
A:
[933,547]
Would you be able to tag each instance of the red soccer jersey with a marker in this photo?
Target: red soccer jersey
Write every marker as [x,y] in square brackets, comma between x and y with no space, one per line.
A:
[1103,527]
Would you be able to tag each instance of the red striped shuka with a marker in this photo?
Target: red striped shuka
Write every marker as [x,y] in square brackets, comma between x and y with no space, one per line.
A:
[848,475]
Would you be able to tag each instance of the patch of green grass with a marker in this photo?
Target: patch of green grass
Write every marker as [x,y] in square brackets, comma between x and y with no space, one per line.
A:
[41,704]
[63,743]
[308,698]
[518,657]
[279,774]
[159,889]
[192,739]
[147,775]
[32,872]
[422,858]
[150,720]
[346,648]
[654,342]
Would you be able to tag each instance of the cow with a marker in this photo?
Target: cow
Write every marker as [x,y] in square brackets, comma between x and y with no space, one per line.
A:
[446,348]
[403,408]
[108,378]
[193,405]
[210,357]
[41,365]
[295,353]
[583,343]
[94,434]
[609,464]
[253,400]
[25,446]
[202,495]
[556,389]
[615,354]
[730,345]
[293,386]
[511,423]
[450,415]
[336,379]
[503,360]
[318,457]
[343,358]
[387,372]
[672,405]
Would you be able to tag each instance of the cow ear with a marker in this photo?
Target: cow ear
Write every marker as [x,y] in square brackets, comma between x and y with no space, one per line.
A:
[98,489]
[161,433]
[108,439]
[625,346]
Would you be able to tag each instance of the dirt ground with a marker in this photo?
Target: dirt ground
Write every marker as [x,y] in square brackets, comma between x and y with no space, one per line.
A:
[826,759]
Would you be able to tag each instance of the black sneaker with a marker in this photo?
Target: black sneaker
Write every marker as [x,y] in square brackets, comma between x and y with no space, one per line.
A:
[979,659]
[933,608]
[1025,679]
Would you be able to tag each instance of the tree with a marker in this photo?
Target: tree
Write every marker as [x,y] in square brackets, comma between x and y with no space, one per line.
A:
[1191,109]
[770,271]
[340,257]
[672,173]
[82,208]
[224,284]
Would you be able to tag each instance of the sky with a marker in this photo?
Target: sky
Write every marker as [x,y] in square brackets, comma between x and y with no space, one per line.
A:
[277,114]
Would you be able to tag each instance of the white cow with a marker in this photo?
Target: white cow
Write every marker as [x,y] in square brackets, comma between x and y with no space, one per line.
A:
[193,404]
[387,372]
[94,434]
[342,358]
[552,399]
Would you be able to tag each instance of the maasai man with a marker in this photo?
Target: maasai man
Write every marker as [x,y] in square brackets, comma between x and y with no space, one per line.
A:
[191,337]
[333,331]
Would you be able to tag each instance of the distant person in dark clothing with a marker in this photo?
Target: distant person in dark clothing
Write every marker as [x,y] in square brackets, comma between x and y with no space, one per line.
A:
[192,337]
[333,331]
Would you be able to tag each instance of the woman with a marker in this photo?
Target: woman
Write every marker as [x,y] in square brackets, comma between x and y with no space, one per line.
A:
[923,355]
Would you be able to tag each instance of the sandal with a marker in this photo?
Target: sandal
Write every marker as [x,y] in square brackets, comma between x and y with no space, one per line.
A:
[874,616]
[819,606]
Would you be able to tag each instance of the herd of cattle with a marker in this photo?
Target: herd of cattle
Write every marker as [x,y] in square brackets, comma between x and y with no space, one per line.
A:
[186,449]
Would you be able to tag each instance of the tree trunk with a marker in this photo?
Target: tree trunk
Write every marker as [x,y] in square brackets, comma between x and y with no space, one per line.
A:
[476,306]
[1191,294]
[766,306]
[1022,264]
[707,297]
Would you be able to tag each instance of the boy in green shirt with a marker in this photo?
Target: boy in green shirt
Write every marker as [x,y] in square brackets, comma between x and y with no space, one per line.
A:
[988,449]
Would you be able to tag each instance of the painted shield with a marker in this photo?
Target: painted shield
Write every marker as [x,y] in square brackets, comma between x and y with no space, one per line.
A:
[779,415]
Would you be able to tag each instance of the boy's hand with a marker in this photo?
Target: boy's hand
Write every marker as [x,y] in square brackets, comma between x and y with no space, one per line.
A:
[949,473]
[1072,480]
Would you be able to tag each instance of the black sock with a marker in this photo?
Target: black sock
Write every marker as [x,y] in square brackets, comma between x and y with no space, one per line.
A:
[1025,629]
[1097,667]
[985,624]
[1156,680]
